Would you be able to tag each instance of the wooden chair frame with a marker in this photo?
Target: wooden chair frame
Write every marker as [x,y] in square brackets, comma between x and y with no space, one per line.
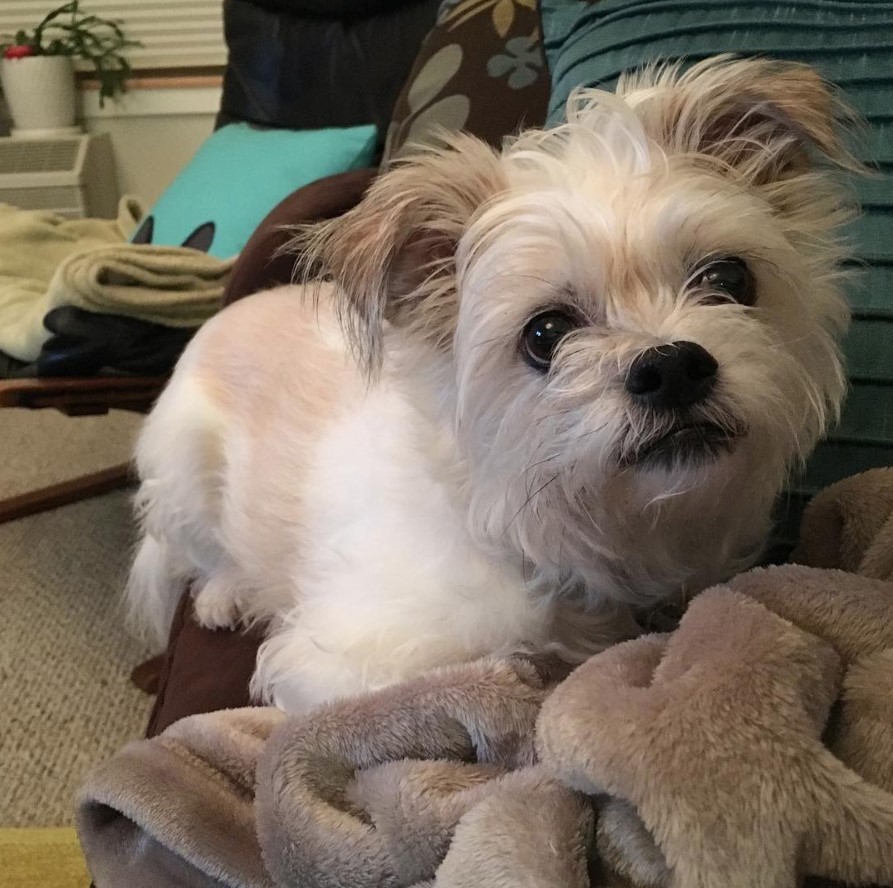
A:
[93,396]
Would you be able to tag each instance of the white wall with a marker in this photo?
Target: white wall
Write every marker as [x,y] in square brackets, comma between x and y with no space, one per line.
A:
[154,133]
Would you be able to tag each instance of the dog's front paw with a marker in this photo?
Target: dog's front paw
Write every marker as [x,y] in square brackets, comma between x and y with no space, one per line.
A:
[215,606]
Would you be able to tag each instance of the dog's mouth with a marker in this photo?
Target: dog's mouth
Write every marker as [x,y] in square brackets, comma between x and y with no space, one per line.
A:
[685,444]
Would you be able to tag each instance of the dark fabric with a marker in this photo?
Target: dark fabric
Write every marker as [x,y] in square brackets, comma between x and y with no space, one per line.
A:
[481,69]
[288,69]
[85,343]
[333,9]
[202,670]
[260,264]
[12,368]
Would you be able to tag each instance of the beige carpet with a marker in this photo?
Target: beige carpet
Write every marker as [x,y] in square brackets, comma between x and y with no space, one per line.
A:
[65,698]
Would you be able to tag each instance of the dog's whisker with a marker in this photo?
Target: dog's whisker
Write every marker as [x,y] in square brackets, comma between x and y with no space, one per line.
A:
[528,500]
[541,462]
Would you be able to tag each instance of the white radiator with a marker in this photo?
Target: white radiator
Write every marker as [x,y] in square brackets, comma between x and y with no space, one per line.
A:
[73,176]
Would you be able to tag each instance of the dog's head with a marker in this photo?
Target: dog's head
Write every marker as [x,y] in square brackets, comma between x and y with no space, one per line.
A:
[640,311]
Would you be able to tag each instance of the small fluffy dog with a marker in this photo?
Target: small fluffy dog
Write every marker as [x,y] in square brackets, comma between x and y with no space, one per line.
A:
[537,388]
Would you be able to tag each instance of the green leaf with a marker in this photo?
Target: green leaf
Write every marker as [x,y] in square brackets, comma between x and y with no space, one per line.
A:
[66,30]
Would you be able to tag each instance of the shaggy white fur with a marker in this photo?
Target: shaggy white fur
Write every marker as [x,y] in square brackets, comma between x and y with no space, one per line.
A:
[416,490]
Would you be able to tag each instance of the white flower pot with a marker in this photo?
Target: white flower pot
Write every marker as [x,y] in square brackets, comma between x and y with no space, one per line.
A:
[40,92]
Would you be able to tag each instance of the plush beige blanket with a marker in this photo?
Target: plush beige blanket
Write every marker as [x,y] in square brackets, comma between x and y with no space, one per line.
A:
[47,262]
[749,748]
[175,286]
[33,244]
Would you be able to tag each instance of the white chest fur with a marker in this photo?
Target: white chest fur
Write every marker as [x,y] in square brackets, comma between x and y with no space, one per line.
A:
[390,581]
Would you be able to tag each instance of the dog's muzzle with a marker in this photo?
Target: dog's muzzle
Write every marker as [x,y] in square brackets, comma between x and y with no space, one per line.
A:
[684,444]
[673,382]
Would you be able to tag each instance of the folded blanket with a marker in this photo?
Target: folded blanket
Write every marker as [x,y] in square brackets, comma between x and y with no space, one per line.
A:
[750,747]
[175,286]
[33,244]
[48,263]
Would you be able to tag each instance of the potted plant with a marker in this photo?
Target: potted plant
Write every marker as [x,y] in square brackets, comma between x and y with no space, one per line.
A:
[37,67]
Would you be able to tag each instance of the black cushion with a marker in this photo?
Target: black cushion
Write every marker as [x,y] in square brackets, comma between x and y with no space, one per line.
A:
[290,67]
[85,343]
[333,9]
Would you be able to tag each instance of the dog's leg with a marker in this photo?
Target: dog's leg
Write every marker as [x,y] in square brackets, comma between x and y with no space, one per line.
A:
[218,602]
[178,504]
[297,673]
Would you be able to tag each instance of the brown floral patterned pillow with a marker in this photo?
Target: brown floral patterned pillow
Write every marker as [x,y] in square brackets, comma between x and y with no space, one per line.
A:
[480,69]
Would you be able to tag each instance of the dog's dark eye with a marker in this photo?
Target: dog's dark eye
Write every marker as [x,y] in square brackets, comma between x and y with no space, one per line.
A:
[729,277]
[542,335]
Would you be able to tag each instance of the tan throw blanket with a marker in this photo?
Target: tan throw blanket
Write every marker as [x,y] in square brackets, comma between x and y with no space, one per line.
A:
[33,244]
[175,286]
[749,748]
[47,262]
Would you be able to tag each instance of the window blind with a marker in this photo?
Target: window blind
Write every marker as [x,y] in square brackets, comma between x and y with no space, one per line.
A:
[174,33]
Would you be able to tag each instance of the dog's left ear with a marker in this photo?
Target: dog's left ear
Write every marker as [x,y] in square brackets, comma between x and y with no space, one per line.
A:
[392,257]
[763,119]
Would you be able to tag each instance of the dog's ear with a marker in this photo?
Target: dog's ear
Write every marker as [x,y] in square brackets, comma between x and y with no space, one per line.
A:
[392,257]
[763,119]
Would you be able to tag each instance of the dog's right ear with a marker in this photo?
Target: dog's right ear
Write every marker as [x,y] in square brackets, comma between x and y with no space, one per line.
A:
[762,118]
[392,257]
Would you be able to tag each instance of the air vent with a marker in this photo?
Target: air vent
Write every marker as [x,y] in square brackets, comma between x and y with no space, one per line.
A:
[71,176]
[54,197]
[38,156]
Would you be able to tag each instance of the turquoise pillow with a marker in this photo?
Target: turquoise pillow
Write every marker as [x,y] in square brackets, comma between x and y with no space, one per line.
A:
[851,43]
[239,174]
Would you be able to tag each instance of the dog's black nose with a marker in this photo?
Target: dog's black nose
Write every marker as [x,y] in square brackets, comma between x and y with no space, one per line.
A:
[670,377]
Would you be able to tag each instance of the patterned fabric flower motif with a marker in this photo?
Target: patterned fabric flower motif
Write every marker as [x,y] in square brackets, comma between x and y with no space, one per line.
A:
[522,61]
[502,12]
[429,110]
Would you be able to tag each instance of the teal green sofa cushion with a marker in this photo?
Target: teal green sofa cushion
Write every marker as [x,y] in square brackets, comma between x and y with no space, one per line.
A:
[239,174]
